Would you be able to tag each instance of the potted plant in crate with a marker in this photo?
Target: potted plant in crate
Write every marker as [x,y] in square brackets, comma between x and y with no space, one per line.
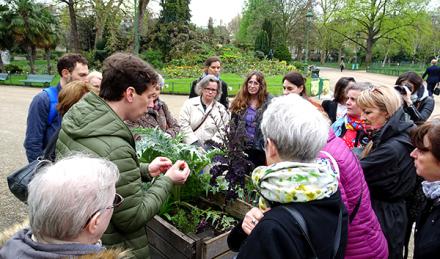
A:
[190,225]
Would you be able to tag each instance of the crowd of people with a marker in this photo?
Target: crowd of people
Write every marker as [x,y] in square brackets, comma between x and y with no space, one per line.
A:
[347,178]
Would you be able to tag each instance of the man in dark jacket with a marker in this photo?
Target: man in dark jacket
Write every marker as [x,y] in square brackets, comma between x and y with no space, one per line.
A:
[212,67]
[96,125]
[39,127]
[433,73]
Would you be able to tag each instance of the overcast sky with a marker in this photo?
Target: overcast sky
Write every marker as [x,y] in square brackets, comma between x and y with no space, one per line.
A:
[220,10]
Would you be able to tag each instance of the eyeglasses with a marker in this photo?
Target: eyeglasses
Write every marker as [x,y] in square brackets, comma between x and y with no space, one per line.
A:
[251,82]
[210,90]
[116,203]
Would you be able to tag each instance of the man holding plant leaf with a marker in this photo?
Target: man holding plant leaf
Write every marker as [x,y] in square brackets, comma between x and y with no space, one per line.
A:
[96,125]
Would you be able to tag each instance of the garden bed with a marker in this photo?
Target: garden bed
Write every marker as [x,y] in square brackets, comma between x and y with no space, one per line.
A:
[166,241]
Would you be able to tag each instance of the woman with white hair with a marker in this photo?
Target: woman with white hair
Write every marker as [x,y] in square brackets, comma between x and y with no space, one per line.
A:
[303,213]
[159,116]
[70,206]
[203,118]
[386,162]
[95,78]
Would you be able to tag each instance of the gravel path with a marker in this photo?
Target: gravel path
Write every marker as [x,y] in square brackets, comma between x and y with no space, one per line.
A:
[14,102]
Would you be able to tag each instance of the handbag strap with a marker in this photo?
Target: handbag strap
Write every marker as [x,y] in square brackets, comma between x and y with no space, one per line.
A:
[50,148]
[204,118]
[356,208]
[302,225]
[338,234]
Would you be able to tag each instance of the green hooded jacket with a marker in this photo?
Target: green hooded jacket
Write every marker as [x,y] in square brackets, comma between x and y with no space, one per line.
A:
[91,126]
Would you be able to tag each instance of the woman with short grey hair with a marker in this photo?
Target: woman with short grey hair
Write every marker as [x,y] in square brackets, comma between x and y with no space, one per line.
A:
[202,84]
[294,182]
[70,205]
[203,118]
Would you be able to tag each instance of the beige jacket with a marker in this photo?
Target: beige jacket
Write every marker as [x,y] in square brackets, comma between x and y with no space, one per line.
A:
[213,127]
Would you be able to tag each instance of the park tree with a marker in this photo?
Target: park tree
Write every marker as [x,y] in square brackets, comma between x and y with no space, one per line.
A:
[27,27]
[74,35]
[49,37]
[325,24]
[262,42]
[104,12]
[6,37]
[141,9]
[376,20]
[173,34]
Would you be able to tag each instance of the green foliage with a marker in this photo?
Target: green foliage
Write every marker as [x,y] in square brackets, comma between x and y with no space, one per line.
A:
[175,11]
[301,66]
[282,53]
[190,219]
[13,69]
[262,42]
[268,28]
[154,57]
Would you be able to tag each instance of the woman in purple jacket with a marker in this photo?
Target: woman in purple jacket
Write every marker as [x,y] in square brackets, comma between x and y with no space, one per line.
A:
[365,237]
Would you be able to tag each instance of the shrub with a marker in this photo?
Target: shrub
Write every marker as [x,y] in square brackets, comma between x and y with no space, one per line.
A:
[154,57]
[299,65]
[282,53]
[13,69]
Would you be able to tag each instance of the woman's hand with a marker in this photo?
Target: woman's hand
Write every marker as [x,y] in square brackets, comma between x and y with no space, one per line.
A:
[251,219]
[407,97]
[159,165]
[178,172]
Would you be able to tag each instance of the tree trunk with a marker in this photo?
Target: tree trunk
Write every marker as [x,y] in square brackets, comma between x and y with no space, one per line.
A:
[73,27]
[369,54]
[2,66]
[49,65]
[141,11]
[339,55]
[385,58]
[322,57]
[31,57]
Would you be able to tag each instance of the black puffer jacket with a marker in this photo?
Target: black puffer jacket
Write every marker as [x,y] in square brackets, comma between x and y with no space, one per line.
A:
[427,236]
[278,235]
[390,174]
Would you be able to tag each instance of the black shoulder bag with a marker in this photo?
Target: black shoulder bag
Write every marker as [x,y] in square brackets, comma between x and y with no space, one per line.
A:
[19,180]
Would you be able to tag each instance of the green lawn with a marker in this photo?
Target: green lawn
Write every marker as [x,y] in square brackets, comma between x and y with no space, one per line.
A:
[183,85]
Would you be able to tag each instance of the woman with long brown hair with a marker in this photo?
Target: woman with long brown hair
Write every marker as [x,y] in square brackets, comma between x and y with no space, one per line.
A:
[247,111]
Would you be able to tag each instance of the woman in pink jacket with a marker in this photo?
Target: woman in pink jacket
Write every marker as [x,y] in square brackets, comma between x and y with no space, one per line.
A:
[365,237]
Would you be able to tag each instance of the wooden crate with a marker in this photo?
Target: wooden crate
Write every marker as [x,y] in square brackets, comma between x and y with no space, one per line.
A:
[166,241]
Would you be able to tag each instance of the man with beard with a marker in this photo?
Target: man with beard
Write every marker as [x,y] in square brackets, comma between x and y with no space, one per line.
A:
[43,120]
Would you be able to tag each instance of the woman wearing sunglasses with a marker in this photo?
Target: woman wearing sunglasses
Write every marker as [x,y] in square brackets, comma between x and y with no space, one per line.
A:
[386,162]
[416,100]
[246,114]
[426,156]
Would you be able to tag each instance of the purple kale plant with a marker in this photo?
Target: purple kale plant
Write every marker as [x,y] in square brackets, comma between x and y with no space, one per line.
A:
[234,161]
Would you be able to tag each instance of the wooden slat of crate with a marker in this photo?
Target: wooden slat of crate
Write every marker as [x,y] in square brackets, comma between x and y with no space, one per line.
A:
[227,255]
[215,246]
[167,236]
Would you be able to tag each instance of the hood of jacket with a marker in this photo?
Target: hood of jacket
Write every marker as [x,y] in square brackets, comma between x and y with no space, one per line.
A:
[287,182]
[93,117]
[395,126]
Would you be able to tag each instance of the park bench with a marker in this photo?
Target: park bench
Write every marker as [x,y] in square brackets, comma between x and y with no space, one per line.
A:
[4,76]
[34,78]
